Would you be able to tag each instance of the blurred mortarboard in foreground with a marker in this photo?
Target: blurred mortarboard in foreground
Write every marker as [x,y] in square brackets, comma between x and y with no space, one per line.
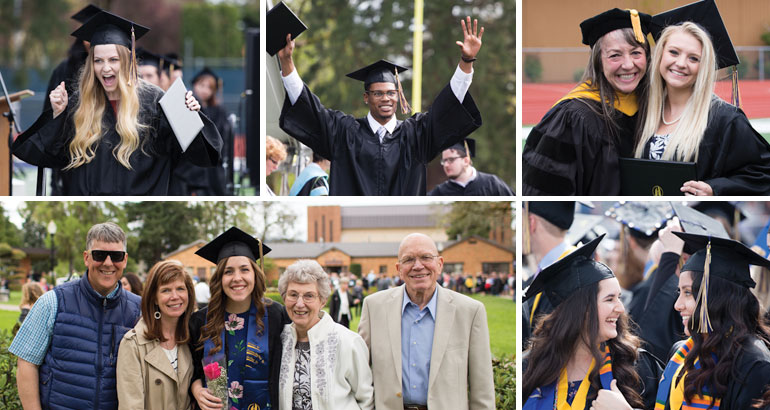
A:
[643,219]
[727,210]
[280,22]
[108,28]
[582,229]
[705,14]
[382,71]
[204,72]
[234,242]
[724,258]
[468,146]
[86,13]
[694,222]
[575,271]
[597,26]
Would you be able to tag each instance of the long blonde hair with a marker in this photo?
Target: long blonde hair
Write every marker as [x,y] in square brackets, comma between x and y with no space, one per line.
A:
[686,138]
[90,108]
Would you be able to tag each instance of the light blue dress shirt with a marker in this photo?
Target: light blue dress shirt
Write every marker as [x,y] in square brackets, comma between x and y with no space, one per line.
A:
[416,345]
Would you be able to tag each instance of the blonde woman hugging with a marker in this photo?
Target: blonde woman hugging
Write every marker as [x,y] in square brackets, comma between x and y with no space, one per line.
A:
[111,137]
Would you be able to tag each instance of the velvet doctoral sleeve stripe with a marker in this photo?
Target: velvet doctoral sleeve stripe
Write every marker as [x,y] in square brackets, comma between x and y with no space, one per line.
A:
[315,125]
[44,143]
[733,158]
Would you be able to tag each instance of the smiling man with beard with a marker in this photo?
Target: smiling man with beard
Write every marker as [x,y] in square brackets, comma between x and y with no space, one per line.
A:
[429,346]
[464,179]
[378,154]
[67,347]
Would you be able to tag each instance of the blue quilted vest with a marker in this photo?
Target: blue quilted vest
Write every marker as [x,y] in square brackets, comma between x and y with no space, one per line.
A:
[78,371]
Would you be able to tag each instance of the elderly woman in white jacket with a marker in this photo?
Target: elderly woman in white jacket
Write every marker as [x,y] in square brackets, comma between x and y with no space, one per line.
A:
[324,365]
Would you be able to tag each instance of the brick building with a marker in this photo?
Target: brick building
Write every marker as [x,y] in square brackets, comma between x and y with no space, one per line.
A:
[193,264]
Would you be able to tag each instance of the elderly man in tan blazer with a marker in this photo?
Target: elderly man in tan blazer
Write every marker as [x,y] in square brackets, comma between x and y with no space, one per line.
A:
[429,346]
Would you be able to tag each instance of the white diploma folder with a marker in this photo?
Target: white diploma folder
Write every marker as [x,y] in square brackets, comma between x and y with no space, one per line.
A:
[186,124]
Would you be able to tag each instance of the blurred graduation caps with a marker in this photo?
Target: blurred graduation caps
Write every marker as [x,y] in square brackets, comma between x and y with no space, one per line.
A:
[86,13]
[382,71]
[583,228]
[570,273]
[204,72]
[597,26]
[147,57]
[643,219]
[171,62]
[107,28]
[280,22]
[695,222]
[706,14]
[724,258]
[234,242]
[468,146]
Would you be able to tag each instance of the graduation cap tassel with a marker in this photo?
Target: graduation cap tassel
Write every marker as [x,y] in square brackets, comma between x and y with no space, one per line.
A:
[636,24]
[132,71]
[736,97]
[261,258]
[405,108]
[704,323]
[525,227]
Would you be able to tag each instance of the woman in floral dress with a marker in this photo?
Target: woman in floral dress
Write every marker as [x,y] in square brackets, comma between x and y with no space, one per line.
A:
[239,328]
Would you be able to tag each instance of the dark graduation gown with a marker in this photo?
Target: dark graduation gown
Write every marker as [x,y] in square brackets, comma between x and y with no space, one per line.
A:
[190,179]
[543,307]
[572,152]
[360,164]
[648,367]
[733,158]
[276,319]
[748,379]
[46,143]
[483,185]
[652,308]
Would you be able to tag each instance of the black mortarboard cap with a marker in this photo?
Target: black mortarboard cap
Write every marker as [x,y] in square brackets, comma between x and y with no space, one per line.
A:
[727,210]
[205,71]
[694,222]
[280,22]
[467,146]
[582,229]
[730,259]
[146,57]
[705,14]
[559,213]
[611,20]
[108,28]
[575,271]
[379,72]
[234,242]
[86,13]
[172,59]
[643,219]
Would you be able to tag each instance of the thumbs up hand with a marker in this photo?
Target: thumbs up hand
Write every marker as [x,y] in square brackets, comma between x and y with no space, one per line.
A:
[610,399]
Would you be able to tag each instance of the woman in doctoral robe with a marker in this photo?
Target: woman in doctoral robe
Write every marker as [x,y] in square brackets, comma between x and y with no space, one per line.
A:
[111,137]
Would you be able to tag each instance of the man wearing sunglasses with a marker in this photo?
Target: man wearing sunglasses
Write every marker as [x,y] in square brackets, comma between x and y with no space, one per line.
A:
[67,348]
[380,155]
[440,337]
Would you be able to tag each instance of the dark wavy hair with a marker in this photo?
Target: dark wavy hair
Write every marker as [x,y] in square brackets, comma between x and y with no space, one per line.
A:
[216,309]
[554,342]
[735,319]
[594,73]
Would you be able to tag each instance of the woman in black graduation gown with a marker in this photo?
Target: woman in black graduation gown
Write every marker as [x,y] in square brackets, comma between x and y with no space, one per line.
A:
[240,323]
[111,136]
[582,354]
[686,121]
[575,148]
[725,362]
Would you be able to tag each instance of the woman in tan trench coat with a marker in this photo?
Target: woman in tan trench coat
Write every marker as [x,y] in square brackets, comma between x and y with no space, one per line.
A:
[154,360]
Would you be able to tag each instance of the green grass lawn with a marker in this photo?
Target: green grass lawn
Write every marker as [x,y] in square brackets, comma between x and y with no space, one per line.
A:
[8,319]
[501,319]
[767,137]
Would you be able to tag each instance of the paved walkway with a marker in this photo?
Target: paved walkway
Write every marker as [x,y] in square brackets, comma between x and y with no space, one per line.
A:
[9,307]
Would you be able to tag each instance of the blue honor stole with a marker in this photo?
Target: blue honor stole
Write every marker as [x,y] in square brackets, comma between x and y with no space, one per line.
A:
[544,398]
[256,393]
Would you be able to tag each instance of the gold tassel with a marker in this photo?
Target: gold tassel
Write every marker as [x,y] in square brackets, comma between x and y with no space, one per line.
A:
[637,26]
[262,259]
[405,108]
[736,221]
[467,149]
[133,70]
[704,322]
[736,97]
[525,227]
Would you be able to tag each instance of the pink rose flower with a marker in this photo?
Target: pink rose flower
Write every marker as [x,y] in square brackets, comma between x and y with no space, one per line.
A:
[212,370]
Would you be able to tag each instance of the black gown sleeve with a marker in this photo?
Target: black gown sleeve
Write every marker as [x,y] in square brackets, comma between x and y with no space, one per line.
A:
[734,159]
[277,318]
[45,142]
[650,368]
[571,152]
[749,377]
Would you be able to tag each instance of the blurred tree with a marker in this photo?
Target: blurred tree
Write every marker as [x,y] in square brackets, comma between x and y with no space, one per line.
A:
[220,216]
[216,30]
[274,221]
[344,35]
[468,218]
[161,227]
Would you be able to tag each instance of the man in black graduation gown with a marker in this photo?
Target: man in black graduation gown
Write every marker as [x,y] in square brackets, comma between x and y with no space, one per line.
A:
[380,155]
[464,179]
